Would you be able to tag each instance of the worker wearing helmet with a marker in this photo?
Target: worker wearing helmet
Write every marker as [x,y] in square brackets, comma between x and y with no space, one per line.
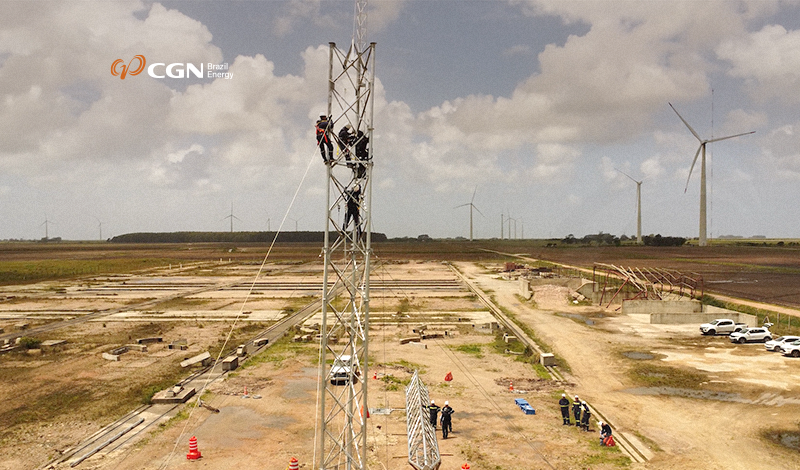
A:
[576,410]
[564,404]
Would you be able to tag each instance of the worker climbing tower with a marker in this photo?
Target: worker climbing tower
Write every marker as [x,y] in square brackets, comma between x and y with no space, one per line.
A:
[343,376]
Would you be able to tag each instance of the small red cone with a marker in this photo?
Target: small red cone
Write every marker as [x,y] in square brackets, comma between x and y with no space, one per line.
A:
[245,390]
[294,464]
[511,386]
[374,375]
[448,377]
[465,466]
[194,452]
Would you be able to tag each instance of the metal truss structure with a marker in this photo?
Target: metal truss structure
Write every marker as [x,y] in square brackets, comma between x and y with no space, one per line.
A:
[644,283]
[423,448]
[342,405]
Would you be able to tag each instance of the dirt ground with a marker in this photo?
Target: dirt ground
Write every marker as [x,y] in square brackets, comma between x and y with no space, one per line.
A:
[719,424]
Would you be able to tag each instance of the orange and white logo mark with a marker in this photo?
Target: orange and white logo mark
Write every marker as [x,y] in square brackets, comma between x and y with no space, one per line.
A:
[126,69]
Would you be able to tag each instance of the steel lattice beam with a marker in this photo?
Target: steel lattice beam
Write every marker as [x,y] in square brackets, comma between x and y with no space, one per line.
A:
[423,448]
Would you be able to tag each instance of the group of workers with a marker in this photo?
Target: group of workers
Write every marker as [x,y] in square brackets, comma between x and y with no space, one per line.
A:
[447,417]
[582,415]
[351,144]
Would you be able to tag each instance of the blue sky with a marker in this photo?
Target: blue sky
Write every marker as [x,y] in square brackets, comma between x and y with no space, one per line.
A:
[536,104]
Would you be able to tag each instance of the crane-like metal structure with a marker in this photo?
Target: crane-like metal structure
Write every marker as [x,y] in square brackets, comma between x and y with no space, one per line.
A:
[342,407]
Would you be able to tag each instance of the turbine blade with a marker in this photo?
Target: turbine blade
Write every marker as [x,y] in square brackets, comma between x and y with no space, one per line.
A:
[629,176]
[731,136]
[686,123]
[479,211]
[462,205]
[473,195]
[692,168]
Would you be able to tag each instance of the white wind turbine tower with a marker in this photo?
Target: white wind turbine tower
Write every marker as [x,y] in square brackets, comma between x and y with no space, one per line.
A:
[638,207]
[702,148]
[471,206]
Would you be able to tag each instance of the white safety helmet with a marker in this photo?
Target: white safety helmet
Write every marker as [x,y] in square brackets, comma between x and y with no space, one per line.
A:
[446,402]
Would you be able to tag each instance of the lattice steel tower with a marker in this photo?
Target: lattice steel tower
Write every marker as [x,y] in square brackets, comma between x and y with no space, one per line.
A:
[343,374]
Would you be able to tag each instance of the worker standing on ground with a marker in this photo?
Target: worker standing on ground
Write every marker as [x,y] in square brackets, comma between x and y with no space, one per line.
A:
[585,415]
[447,419]
[324,129]
[433,408]
[576,410]
[564,403]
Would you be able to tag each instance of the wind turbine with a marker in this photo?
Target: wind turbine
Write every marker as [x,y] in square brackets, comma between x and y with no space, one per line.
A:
[46,224]
[702,148]
[638,207]
[232,217]
[471,206]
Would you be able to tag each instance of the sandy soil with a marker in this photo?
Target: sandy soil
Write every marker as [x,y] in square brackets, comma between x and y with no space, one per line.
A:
[721,431]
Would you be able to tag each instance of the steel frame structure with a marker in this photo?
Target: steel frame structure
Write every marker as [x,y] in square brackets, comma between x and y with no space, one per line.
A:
[342,407]
[645,283]
[423,448]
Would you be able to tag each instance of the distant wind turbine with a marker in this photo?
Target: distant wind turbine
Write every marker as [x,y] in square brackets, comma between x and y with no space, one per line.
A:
[638,207]
[232,217]
[46,224]
[471,206]
[702,148]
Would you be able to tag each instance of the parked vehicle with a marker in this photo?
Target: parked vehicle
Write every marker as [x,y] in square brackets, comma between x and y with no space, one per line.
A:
[749,335]
[342,372]
[777,343]
[721,326]
[791,349]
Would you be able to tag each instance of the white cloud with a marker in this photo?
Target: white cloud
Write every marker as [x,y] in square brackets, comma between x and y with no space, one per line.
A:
[770,58]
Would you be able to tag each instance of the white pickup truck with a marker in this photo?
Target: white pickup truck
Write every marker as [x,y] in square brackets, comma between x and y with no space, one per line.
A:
[751,334]
[720,326]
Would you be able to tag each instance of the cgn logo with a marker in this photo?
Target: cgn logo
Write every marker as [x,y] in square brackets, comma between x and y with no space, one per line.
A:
[126,69]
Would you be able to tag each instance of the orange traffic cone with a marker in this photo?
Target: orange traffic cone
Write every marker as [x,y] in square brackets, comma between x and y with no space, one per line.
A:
[511,386]
[448,377]
[294,464]
[245,390]
[194,453]
[374,375]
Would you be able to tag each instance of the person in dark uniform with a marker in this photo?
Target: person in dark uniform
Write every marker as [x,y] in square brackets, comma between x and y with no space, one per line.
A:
[605,431]
[324,129]
[447,419]
[564,403]
[585,415]
[353,201]
[576,410]
[362,153]
[433,408]
[345,140]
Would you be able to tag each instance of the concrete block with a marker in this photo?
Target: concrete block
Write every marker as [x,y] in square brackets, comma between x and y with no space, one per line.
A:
[110,357]
[155,339]
[509,338]
[200,358]
[179,347]
[230,363]
[410,340]
[421,345]
[119,351]
[547,359]
[137,347]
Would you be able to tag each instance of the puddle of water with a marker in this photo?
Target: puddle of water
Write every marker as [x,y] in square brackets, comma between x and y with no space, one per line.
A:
[578,317]
[638,355]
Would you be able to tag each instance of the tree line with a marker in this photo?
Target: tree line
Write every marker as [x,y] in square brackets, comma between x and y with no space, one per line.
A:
[228,237]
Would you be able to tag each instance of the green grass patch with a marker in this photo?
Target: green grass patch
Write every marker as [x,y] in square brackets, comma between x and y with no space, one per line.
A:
[393,383]
[26,272]
[471,349]
[652,375]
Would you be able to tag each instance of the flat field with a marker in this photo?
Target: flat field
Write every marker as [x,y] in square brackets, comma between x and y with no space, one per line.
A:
[689,401]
